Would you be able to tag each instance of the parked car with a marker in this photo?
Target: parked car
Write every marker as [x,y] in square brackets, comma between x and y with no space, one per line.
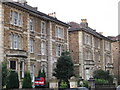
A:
[118,88]
[79,88]
[82,88]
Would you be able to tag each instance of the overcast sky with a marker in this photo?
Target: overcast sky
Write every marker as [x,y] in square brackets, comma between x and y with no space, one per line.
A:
[101,15]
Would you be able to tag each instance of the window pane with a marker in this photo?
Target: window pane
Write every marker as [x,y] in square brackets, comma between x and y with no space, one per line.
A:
[21,69]
[31,46]
[15,18]
[56,31]
[43,48]
[11,15]
[11,41]
[20,20]
[15,41]
[87,74]
[32,72]
[58,50]
[13,65]
[43,27]
[31,24]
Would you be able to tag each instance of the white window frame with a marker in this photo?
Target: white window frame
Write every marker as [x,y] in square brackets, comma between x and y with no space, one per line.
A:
[59,32]
[11,17]
[58,50]
[20,42]
[43,48]
[43,27]
[22,69]
[98,43]
[15,41]
[11,41]
[31,24]
[32,72]
[31,45]
[15,18]
[20,19]
[87,72]
[15,65]
[87,39]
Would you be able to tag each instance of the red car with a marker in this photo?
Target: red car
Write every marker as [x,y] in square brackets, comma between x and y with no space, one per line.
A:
[39,81]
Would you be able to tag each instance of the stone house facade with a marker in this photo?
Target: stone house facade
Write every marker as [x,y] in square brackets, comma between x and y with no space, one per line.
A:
[30,40]
[89,50]
[116,56]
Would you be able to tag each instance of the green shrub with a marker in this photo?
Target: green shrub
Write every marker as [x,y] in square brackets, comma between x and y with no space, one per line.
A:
[85,83]
[46,84]
[13,81]
[101,81]
[4,73]
[63,84]
[103,75]
[27,81]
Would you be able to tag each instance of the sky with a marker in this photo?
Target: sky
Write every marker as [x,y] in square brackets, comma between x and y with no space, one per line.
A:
[101,15]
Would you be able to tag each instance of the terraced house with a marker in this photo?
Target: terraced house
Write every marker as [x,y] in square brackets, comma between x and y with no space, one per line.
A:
[30,40]
[89,49]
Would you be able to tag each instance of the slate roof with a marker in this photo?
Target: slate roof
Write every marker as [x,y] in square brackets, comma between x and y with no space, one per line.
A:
[78,27]
[32,10]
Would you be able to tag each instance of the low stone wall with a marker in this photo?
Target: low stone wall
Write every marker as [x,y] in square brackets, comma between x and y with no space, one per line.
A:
[105,87]
[31,89]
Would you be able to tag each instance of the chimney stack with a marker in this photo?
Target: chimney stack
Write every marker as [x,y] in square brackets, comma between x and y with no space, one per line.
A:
[101,33]
[36,8]
[83,23]
[22,1]
[52,14]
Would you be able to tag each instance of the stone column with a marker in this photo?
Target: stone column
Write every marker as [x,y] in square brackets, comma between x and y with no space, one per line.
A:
[73,82]
[103,57]
[50,58]
[1,33]
[53,83]
[1,41]
[28,38]
[81,59]
[92,83]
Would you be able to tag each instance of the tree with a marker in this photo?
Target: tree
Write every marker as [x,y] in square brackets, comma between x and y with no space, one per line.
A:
[103,75]
[4,73]
[64,67]
[12,78]
[27,81]
[42,74]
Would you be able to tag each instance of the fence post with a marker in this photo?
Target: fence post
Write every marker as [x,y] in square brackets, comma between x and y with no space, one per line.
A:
[73,82]
[91,83]
[53,83]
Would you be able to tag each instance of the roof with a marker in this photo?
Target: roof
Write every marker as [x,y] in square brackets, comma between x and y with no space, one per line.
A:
[114,38]
[34,11]
[78,27]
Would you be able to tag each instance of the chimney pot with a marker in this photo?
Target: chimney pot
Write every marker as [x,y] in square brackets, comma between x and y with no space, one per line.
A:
[83,23]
